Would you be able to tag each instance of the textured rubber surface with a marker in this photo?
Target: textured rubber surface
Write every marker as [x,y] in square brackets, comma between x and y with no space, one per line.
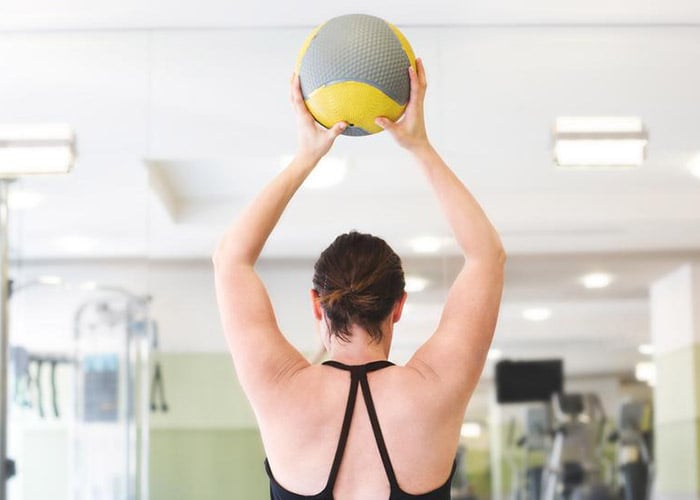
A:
[362,49]
[356,102]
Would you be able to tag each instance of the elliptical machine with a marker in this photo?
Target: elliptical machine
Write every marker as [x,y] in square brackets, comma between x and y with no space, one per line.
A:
[634,450]
[575,469]
[531,448]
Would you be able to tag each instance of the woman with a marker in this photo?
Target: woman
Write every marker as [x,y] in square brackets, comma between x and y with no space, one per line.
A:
[398,439]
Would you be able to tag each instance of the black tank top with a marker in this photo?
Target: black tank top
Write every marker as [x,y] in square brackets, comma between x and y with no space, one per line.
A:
[358,377]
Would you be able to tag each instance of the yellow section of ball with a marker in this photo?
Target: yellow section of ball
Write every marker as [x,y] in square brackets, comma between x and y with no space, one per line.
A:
[305,47]
[404,44]
[356,103]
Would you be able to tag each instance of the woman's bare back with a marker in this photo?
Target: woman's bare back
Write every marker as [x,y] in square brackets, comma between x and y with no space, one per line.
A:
[420,425]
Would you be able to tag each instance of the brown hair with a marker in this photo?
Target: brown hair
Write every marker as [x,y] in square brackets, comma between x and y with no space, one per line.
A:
[358,278]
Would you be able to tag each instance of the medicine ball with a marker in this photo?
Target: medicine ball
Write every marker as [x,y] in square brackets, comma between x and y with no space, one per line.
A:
[354,68]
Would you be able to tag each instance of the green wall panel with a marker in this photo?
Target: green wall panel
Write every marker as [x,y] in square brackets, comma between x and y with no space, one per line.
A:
[207,465]
[677,397]
[678,463]
[202,393]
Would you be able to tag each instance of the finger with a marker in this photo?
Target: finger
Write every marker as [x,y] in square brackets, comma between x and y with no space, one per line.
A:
[415,85]
[297,97]
[421,73]
[383,122]
[337,129]
[291,87]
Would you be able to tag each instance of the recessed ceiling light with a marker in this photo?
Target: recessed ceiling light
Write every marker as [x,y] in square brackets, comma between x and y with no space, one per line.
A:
[426,244]
[589,141]
[415,284]
[537,314]
[50,280]
[329,172]
[36,149]
[597,280]
[471,430]
[646,349]
[76,244]
[24,200]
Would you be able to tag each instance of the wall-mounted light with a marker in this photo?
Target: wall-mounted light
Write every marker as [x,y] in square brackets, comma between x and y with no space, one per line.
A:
[27,149]
[603,141]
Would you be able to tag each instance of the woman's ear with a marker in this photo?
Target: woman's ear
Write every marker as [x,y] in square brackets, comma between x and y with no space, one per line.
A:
[316,305]
[398,308]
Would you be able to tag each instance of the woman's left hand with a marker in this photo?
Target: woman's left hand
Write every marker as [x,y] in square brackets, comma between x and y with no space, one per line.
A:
[314,141]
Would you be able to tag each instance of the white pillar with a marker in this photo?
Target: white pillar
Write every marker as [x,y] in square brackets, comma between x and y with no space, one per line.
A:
[675,331]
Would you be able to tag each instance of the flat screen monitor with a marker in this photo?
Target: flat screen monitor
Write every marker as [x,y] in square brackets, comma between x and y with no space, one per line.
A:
[528,381]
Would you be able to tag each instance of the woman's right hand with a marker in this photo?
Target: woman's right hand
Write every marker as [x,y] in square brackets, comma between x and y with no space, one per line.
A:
[314,141]
[409,131]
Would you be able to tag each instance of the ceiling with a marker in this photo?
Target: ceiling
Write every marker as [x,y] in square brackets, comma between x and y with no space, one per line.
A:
[193,97]
[163,14]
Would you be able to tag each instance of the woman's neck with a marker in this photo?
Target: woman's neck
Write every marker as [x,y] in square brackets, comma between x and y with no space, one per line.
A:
[360,349]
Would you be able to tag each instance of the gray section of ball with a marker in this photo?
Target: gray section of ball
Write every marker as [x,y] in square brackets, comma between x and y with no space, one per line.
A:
[360,48]
[355,132]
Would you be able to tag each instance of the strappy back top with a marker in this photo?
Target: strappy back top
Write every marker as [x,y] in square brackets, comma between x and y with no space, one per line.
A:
[358,377]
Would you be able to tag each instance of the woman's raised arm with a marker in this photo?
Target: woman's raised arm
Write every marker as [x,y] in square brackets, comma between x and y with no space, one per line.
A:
[261,354]
[456,352]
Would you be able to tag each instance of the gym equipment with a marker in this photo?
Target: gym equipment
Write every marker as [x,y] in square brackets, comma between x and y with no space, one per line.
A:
[112,332]
[354,68]
[157,384]
[460,489]
[108,365]
[634,450]
[528,453]
[10,468]
[24,380]
[574,470]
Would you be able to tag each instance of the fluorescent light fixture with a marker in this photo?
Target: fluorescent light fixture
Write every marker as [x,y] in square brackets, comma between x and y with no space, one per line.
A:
[76,244]
[537,314]
[426,244]
[415,284]
[50,280]
[589,141]
[597,280]
[471,430]
[645,371]
[494,354]
[24,200]
[27,149]
[329,172]
[596,124]
[646,349]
